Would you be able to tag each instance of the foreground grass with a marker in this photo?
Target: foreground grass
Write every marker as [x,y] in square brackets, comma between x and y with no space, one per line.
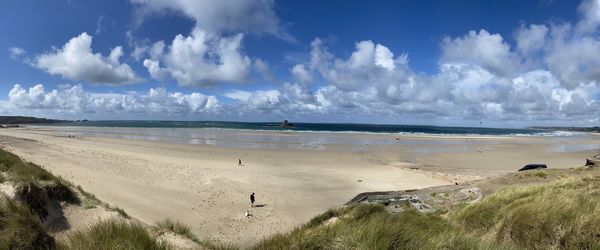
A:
[20,228]
[20,171]
[563,214]
[113,234]
[372,227]
[21,224]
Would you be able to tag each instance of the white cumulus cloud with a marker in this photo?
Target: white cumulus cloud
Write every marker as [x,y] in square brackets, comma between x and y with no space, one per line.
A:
[74,100]
[201,59]
[481,48]
[216,16]
[76,61]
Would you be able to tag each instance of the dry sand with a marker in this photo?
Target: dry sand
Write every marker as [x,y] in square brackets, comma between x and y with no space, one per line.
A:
[203,186]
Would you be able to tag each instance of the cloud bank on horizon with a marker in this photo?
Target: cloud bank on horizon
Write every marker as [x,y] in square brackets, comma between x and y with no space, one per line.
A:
[546,73]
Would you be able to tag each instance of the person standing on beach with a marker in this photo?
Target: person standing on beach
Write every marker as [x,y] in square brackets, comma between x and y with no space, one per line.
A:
[239,162]
[252,200]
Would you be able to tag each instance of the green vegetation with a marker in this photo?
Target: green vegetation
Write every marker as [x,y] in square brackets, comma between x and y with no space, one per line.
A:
[120,211]
[217,246]
[184,231]
[21,229]
[30,176]
[561,214]
[21,224]
[113,234]
[177,228]
[89,200]
[20,171]
[372,227]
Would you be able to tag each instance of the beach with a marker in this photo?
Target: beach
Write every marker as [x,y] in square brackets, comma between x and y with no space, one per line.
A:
[201,184]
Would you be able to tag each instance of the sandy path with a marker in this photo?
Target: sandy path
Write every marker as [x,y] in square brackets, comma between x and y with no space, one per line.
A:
[202,186]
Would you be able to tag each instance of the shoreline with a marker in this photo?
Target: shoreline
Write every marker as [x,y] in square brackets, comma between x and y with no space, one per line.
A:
[203,186]
[283,132]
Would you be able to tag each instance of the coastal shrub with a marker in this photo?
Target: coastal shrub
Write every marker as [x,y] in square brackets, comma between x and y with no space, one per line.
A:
[21,229]
[114,234]
[177,228]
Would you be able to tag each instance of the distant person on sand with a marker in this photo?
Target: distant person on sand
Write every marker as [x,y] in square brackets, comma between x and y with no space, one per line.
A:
[239,162]
[252,200]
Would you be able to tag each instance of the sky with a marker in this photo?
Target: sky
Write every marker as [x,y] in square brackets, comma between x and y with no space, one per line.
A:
[506,63]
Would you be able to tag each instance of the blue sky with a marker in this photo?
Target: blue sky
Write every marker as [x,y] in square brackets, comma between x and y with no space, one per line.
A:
[509,63]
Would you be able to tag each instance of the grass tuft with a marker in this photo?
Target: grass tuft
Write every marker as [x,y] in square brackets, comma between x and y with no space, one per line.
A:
[372,227]
[120,211]
[34,197]
[89,200]
[559,214]
[217,246]
[177,228]
[21,229]
[114,234]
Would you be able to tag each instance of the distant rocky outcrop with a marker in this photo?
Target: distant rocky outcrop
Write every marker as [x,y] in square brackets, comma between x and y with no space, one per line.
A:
[286,124]
[13,120]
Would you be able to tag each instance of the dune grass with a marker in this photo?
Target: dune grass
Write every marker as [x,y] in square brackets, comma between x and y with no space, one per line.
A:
[90,200]
[177,228]
[22,229]
[114,234]
[26,174]
[372,227]
[561,214]
[120,211]
[206,244]
[21,171]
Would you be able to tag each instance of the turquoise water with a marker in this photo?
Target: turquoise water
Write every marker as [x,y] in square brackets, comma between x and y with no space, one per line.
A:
[304,135]
[313,127]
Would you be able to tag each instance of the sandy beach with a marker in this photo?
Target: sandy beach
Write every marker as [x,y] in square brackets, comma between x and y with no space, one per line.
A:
[203,186]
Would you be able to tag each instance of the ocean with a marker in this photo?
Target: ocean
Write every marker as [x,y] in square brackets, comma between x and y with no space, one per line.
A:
[316,136]
[314,127]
